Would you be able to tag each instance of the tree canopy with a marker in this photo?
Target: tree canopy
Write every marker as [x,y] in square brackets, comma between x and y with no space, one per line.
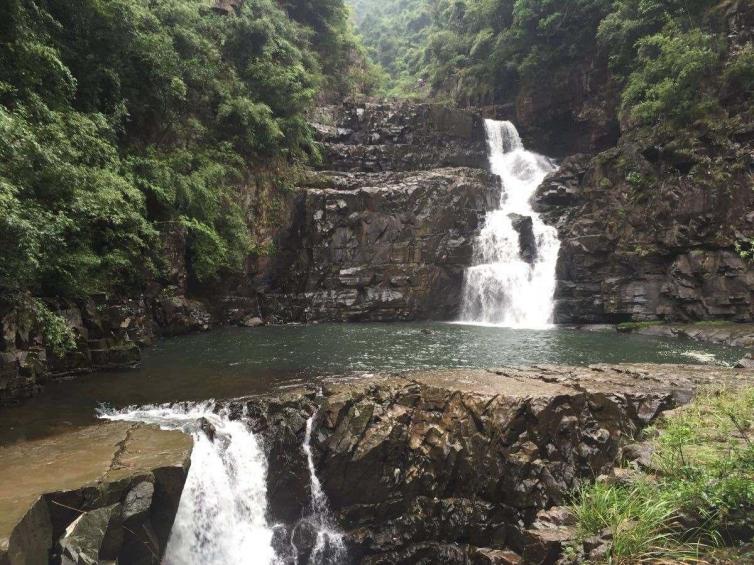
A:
[120,118]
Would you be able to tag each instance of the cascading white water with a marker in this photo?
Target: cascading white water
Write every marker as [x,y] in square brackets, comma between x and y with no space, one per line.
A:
[329,546]
[221,516]
[221,519]
[501,288]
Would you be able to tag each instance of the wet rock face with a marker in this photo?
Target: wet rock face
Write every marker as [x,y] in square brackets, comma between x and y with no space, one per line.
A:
[381,246]
[458,466]
[527,242]
[113,495]
[385,230]
[107,335]
[400,137]
[643,239]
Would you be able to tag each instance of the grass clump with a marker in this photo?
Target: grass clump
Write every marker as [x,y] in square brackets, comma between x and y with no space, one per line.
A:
[635,326]
[698,497]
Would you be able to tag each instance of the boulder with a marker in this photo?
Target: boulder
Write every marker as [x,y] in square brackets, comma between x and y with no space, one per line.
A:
[746,362]
[113,495]
[93,537]
[252,322]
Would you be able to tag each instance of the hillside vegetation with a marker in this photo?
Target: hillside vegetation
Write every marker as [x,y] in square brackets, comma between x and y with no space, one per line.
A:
[667,59]
[120,119]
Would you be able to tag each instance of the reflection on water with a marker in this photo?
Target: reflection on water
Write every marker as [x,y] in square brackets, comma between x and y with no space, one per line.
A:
[239,361]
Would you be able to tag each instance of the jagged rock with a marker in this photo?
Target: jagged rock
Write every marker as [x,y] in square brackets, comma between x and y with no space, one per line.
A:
[562,187]
[461,466]
[401,137]
[208,428]
[113,495]
[93,537]
[551,531]
[107,336]
[484,556]
[527,242]
[138,501]
[746,362]
[597,548]
[176,315]
[643,238]
[639,454]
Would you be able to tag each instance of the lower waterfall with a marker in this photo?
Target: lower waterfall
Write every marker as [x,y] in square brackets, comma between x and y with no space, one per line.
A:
[329,547]
[221,518]
[511,282]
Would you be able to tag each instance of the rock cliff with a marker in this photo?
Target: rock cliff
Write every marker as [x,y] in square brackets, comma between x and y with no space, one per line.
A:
[100,494]
[657,224]
[651,232]
[385,230]
[461,466]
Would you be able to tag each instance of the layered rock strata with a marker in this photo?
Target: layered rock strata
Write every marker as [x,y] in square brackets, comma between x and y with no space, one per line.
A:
[385,230]
[647,234]
[460,466]
[105,493]
[381,246]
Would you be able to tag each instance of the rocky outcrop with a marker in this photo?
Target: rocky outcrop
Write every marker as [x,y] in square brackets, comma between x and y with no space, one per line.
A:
[106,334]
[100,494]
[381,246]
[462,466]
[649,231]
[400,137]
[660,225]
[527,242]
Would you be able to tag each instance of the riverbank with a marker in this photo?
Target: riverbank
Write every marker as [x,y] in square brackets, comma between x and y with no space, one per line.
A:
[717,332]
[455,465]
[685,492]
[233,362]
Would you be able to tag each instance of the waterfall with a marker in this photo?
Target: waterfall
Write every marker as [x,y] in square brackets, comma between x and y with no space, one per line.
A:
[329,546]
[221,516]
[505,286]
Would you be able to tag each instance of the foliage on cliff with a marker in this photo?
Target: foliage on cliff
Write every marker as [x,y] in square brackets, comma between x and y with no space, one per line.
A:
[395,33]
[123,119]
[671,59]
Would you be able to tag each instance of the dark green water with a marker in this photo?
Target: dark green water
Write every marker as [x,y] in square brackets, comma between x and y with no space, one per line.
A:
[237,361]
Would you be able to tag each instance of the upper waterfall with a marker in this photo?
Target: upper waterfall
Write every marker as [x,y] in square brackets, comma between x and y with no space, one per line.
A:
[506,284]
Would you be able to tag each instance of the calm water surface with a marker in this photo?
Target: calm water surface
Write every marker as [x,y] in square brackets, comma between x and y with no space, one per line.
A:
[235,362]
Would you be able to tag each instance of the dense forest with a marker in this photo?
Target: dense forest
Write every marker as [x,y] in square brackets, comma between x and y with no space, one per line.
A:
[122,118]
[669,59]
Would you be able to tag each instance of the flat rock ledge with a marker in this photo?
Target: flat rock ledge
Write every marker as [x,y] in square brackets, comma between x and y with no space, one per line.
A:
[462,466]
[104,493]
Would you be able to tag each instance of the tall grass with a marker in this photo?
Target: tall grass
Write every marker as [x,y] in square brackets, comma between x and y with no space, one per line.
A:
[700,496]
